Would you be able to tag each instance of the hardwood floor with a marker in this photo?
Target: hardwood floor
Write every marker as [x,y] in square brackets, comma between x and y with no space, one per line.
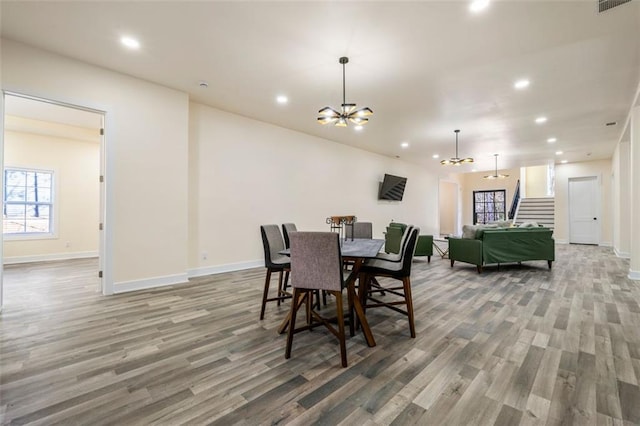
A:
[522,345]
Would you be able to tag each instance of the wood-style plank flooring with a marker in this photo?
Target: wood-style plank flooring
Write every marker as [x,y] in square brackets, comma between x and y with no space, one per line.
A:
[522,345]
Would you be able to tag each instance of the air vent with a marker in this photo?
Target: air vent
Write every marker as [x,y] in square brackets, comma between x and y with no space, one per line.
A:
[604,5]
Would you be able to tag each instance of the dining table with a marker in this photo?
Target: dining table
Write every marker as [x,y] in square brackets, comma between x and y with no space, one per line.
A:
[355,252]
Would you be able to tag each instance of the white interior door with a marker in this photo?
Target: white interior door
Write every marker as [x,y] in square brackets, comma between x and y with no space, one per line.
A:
[583,210]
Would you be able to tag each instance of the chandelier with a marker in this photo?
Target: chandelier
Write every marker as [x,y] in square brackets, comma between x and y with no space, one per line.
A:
[347,111]
[496,175]
[456,161]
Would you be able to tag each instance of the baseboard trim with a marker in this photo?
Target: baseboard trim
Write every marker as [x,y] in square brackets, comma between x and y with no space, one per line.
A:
[147,283]
[634,275]
[606,244]
[562,242]
[219,269]
[49,257]
[621,254]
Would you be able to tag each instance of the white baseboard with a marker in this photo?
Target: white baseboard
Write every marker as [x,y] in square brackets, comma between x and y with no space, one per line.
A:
[146,283]
[49,257]
[219,269]
[634,275]
[621,254]
[606,244]
[562,242]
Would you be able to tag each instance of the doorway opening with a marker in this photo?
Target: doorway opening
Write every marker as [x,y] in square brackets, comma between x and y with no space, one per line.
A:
[52,182]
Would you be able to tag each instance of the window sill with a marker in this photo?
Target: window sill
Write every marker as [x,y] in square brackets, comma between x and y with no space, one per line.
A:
[29,237]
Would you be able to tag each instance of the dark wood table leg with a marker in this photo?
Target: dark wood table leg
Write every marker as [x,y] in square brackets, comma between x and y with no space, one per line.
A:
[357,304]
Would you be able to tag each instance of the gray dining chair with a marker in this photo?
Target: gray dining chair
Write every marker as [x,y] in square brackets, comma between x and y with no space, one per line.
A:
[286,229]
[316,264]
[273,243]
[398,295]
[360,230]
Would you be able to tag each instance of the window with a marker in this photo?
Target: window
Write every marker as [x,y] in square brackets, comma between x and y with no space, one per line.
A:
[488,206]
[28,202]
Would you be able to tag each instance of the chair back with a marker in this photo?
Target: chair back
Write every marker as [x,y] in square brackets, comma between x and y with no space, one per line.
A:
[272,243]
[409,249]
[316,262]
[286,228]
[405,237]
[360,230]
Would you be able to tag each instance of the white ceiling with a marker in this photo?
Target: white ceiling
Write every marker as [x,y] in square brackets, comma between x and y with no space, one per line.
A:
[425,68]
[19,106]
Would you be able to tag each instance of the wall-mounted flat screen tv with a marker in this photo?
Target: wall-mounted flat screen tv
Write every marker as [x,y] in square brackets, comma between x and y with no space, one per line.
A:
[392,188]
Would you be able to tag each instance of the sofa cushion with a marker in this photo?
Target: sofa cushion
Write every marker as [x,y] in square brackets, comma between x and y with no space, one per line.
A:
[502,223]
[528,225]
[471,231]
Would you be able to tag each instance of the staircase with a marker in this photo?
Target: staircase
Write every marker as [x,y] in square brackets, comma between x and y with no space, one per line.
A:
[538,210]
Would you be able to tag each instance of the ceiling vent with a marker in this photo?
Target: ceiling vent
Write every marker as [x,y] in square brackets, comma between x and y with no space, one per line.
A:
[604,5]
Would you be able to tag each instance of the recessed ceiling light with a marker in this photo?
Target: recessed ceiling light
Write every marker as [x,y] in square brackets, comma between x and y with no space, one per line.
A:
[521,84]
[541,120]
[552,140]
[282,99]
[611,123]
[358,127]
[130,42]
[564,161]
[405,144]
[478,5]
[203,84]
[435,156]
[559,152]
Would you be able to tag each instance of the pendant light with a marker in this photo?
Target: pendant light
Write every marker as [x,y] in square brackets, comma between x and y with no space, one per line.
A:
[348,112]
[496,175]
[456,161]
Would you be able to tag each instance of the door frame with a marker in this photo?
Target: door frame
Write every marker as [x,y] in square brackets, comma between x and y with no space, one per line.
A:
[597,206]
[104,239]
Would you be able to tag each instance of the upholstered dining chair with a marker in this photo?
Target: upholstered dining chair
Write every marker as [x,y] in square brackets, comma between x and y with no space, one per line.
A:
[360,230]
[399,295]
[273,243]
[316,264]
[286,229]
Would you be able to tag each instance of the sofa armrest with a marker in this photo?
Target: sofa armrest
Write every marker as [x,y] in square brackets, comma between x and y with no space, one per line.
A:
[465,250]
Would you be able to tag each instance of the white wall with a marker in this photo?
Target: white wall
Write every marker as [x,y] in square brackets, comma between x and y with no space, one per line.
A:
[536,181]
[245,173]
[76,167]
[448,203]
[600,169]
[146,153]
[181,182]
[621,193]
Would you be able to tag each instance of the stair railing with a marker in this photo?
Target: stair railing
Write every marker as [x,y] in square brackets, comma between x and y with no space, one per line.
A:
[515,201]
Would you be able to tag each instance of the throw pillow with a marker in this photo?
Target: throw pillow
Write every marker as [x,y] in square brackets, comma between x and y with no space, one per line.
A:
[469,231]
[528,225]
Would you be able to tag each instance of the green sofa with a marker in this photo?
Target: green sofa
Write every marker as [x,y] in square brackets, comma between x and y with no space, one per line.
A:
[424,246]
[503,245]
